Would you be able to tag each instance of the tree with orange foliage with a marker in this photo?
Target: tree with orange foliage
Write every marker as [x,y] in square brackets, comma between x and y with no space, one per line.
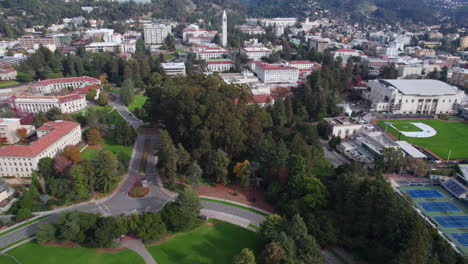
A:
[94,137]
[22,132]
[72,153]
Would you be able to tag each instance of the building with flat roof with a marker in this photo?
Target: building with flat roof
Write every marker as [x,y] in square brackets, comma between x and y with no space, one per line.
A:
[9,130]
[256,53]
[53,137]
[414,96]
[219,65]
[277,73]
[155,34]
[319,44]
[344,127]
[174,68]
[30,42]
[209,51]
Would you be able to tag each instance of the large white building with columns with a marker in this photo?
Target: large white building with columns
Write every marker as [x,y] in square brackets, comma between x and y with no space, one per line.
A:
[423,96]
[56,85]
[34,104]
[22,160]
[276,73]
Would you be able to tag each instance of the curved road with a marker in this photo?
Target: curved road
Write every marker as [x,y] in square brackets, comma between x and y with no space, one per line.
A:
[120,203]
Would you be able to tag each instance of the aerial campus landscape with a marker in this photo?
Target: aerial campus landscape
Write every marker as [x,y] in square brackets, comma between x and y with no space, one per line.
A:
[233,131]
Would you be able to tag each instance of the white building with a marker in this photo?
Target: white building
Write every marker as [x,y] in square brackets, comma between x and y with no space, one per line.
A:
[414,96]
[219,65]
[9,128]
[100,47]
[22,160]
[156,34]
[410,70]
[245,77]
[256,53]
[319,44]
[56,85]
[279,21]
[174,68]
[277,73]
[6,191]
[113,38]
[344,127]
[7,74]
[345,54]
[210,51]
[192,34]
[34,104]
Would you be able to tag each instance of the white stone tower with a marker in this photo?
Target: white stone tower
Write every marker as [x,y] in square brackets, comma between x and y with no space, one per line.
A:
[224,29]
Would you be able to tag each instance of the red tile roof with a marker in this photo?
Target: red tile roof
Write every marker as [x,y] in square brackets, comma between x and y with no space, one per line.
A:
[262,98]
[85,89]
[57,130]
[267,66]
[67,80]
[300,62]
[7,70]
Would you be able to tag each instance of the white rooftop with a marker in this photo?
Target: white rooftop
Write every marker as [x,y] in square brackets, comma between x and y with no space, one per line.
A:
[8,121]
[412,151]
[422,87]
[173,65]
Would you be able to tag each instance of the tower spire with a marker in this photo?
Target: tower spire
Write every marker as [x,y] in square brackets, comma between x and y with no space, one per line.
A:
[224,42]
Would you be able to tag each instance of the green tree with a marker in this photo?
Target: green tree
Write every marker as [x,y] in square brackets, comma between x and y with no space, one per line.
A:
[273,253]
[80,185]
[53,114]
[194,173]
[151,227]
[39,119]
[45,233]
[91,94]
[106,168]
[270,228]
[105,231]
[127,92]
[170,42]
[218,166]
[246,256]
[103,99]
[93,136]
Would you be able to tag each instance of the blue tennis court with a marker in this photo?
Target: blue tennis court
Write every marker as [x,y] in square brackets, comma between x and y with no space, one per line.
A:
[439,207]
[452,221]
[430,193]
[462,238]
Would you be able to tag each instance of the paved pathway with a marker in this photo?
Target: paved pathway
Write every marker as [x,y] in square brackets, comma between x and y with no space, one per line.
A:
[140,249]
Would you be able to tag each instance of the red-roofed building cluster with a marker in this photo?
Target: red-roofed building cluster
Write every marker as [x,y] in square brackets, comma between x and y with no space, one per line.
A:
[56,85]
[209,51]
[54,136]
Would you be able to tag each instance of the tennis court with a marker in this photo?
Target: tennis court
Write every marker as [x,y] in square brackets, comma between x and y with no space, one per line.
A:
[452,221]
[439,207]
[425,193]
[462,238]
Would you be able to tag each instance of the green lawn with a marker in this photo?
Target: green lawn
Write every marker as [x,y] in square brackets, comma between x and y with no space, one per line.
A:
[449,136]
[32,253]
[7,83]
[6,260]
[216,244]
[138,101]
[90,153]
[234,205]
[115,118]
[407,127]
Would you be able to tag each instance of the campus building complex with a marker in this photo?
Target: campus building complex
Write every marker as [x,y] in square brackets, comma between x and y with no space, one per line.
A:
[9,130]
[156,34]
[276,73]
[414,96]
[56,85]
[22,160]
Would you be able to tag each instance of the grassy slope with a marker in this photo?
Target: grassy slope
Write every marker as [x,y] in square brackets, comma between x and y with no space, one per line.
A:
[138,101]
[450,135]
[216,244]
[7,83]
[6,260]
[32,252]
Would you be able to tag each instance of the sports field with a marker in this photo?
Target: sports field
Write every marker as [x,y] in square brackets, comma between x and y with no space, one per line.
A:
[450,136]
[211,243]
[33,253]
[445,211]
